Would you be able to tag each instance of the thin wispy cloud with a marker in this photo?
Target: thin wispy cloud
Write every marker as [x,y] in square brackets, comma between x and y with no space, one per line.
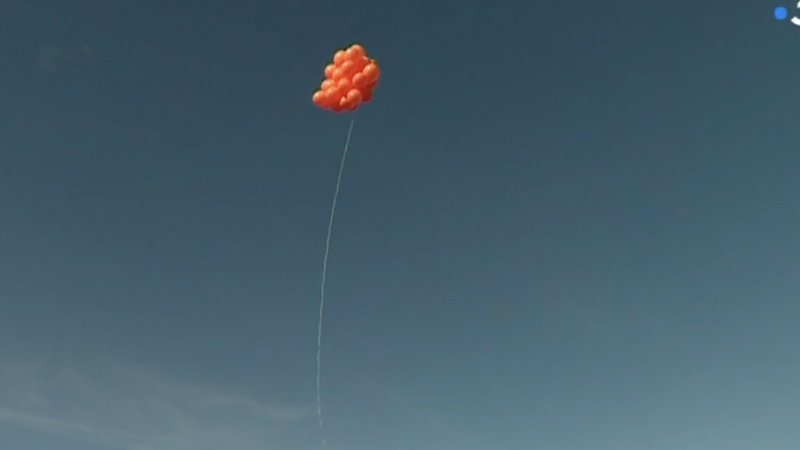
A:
[411,407]
[128,408]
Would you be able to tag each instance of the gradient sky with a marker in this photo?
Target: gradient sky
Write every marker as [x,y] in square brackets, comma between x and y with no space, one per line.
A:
[563,226]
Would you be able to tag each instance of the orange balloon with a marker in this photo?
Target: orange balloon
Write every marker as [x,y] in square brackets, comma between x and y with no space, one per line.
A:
[344,85]
[371,72]
[319,99]
[338,58]
[329,70]
[332,95]
[346,104]
[355,52]
[354,96]
[360,81]
[349,80]
[348,69]
[327,83]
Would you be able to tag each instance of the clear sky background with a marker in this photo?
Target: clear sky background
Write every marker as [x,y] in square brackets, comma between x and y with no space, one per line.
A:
[563,225]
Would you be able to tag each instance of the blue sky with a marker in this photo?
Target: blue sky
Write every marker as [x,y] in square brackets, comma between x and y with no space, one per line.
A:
[562,226]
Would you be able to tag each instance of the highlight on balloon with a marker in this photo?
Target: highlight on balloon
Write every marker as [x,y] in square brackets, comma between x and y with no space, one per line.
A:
[349,80]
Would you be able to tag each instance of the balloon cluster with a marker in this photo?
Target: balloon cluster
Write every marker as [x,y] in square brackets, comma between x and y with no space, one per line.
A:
[349,80]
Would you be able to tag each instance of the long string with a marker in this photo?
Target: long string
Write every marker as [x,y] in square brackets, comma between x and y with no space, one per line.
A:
[324,274]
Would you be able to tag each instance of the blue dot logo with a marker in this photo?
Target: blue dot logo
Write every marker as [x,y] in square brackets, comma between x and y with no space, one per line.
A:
[780,13]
